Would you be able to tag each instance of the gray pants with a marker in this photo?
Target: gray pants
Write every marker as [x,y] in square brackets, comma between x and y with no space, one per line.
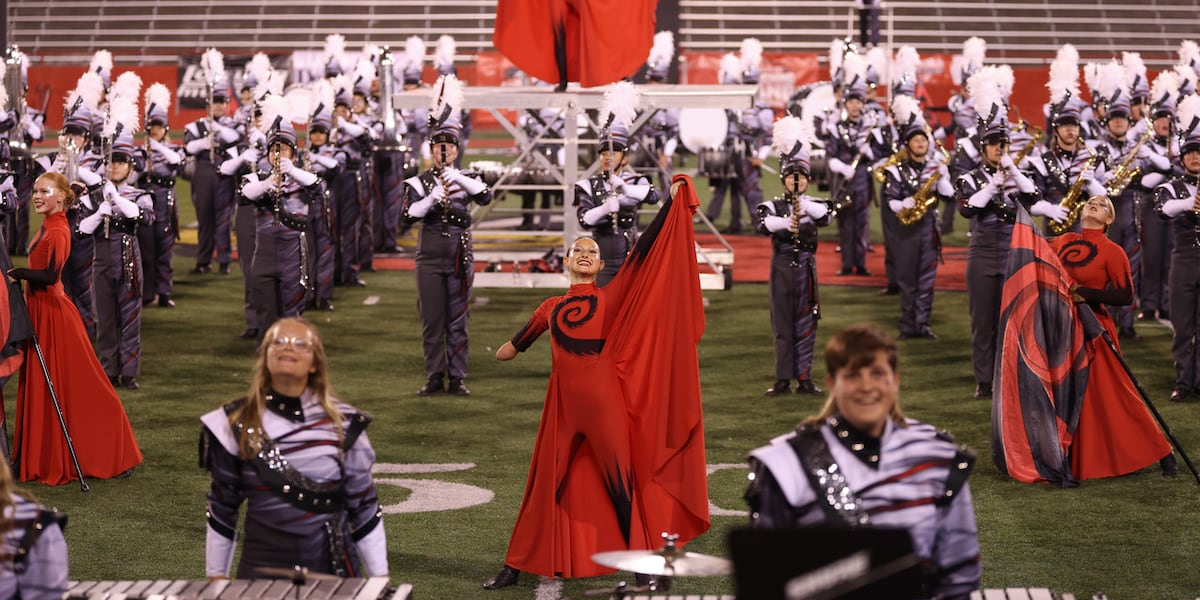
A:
[1157,243]
[793,314]
[916,249]
[444,301]
[987,261]
[118,304]
[244,226]
[1185,315]
[276,288]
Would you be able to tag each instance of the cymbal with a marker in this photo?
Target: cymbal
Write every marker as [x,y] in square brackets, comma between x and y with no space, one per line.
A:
[670,562]
[293,574]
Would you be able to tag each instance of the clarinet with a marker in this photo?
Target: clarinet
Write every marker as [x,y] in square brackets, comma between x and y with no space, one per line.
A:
[796,230]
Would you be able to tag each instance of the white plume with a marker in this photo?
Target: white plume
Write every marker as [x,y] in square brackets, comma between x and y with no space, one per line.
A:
[729,66]
[1187,77]
[974,50]
[102,61]
[89,87]
[414,51]
[663,49]
[158,95]
[906,63]
[448,91]
[877,59]
[1189,52]
[818,102]
[122,116]
[3,91]
[213,64]
[370,51]
[904,108]
[1135,68]
[446,49]
[854,66]
[1109,81]
[364,70]
[1064,79]
[1067,53]
[984,89]
[1188,114]
[621,101]
[320,97]
[277,106]
[750,54]
[340,84]
[789,131]
[127,86]
[1165,89]
[335,47]
[1005,79]
[837,52]
[269,83]
[259,68]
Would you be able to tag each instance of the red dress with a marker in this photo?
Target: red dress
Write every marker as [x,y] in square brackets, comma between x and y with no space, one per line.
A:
[619,455]
[95,417]
[1116,432]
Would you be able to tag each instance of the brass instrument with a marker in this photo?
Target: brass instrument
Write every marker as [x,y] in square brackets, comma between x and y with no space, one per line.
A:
[1123,175]
[924,198]
[15,59]
[1074,199]
[1038,135]
[880,171]
[70,154]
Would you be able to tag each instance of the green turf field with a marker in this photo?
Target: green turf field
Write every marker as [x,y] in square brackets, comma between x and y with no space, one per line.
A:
[1129,537]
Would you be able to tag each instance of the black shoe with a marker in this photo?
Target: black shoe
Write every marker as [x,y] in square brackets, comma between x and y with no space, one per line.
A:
[114,380]
[1170,466]
[1164,315]
[248,333]
[1146,315]
[147,301]
[457,387]
[223,268]
[324,305]
[890,290]
[862,271]
[166,302]
[433,386]
[505,578]
[358,283]
[201,269]
[927,333]
[1179,394]
[782,386]
[845,272]
[1128,333]
[983,391]
[806,386]
[130,383]
[653,583]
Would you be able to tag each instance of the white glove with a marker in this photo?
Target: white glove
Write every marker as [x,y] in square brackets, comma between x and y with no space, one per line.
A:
[618,184]
[197,146]
[896,206]
[253,189]
[87,176]
[328,162]
[908,202]
[228,135]
[470,185]
[420,208]
[597,214]
[256,138]
[1159,162]
[1053,212]
[1006,161]
[1152,180]
[33,128]
[231,166]
[7,186]
[145,202]
[250,157]
[1174,208]
[981,198]
[349,128]
[300,176]
[815,210]
[774,223]
[126,208]
[841,168]
[88,224]
[171,156]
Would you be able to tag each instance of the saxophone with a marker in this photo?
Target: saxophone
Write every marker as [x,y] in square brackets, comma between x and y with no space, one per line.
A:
[1123,175]
[924,199]
[1038,135]
[1074,199]
[880,171]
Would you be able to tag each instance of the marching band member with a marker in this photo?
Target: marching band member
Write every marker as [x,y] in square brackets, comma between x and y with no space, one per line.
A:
[354,142]
[281,277]
[164,160]
[850,156]
[1178,201]
[753,125]
[300,460]
[894,472]
[989,195]
[363,115]
[35,563]
[967,152]
[607,202]
[441,198]
[659,137]
[208,140]
[1156,232]
[791,222]
[727,182]
[322,158]
[545,125]
[917,244]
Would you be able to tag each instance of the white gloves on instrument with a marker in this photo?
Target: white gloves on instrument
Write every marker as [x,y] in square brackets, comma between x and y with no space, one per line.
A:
[981,198]
[470,185]
[595,215]
[88,224]
[420,208]
[841,168]
[299,175]
[227,135]
[815,210]
[350,128]
[87,176]
[1174,208]
[1053,212]
[254,188]
[197,145]
[125,208]
[170,155]
[774,223]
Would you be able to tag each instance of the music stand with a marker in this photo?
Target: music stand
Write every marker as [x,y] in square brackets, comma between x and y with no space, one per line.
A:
[824,562]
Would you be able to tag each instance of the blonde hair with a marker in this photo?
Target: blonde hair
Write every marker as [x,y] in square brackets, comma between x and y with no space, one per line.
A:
[853,348]
[250,414]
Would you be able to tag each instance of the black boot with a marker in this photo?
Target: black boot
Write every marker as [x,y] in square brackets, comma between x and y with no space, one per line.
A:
[782,386]
[1170,466]
[505,578]
[806,386]
[457,387]
[433,386]
[983,391]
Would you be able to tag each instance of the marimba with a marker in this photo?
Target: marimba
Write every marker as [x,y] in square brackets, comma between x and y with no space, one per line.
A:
[374,588]
[1019,594]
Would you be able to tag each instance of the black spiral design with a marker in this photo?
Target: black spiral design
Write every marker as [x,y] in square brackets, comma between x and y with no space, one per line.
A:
[571,313]
[1077,253]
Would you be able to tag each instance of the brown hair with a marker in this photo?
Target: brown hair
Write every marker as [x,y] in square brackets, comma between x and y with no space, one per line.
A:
[854,348]
[249,414]
[61,183]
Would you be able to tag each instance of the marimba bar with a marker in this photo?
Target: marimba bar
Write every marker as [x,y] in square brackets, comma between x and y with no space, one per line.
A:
[1019,594]
[374,588]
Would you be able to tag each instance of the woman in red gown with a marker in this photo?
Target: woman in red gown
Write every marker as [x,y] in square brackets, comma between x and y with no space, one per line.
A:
[95,418]
[1116,432]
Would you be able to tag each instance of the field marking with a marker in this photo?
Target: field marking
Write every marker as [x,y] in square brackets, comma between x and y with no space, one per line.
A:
[548,588]
[430,495]
[370,300]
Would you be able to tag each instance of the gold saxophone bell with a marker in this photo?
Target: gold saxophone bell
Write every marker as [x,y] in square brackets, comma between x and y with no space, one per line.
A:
[1074,200]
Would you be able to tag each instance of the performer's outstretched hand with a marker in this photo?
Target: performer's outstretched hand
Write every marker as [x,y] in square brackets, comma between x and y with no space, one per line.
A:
[506,352]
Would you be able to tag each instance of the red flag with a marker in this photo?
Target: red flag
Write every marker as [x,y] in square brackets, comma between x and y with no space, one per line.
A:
[15,326]
[1042,364]
[594,42]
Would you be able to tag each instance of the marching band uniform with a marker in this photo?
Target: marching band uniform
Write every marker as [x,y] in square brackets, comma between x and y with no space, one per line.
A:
[394,161]
[326,162]
[1057,169]
[158,242]
[1174,202]
[441,198]
[36,553]
[1156,232]
[753,141]
[368,200]
[354,142]
[28,126]
[116,214]
[208,141]
[280,275]
[309,497]
[989,196]
[912,477]
[966,151]
[726,181]
[607,202]
[846,144]
[793,279]
[917,246]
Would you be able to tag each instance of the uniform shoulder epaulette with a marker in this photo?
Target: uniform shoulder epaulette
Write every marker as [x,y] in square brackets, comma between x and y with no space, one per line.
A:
[960,469]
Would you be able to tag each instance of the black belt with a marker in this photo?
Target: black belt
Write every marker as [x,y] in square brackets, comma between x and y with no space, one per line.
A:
[162,181]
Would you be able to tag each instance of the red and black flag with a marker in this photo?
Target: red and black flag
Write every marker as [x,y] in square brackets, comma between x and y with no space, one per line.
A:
[1042,363]
[15,328]
[594,42]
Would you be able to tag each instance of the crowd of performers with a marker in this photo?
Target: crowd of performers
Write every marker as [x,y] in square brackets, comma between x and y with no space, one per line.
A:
[1115,182]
